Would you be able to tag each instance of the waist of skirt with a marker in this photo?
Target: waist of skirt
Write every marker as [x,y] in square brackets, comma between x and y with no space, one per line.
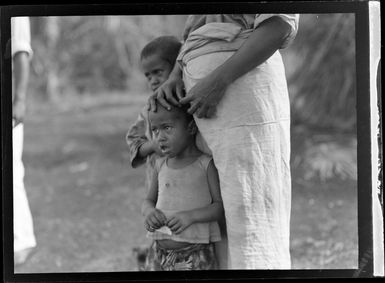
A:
[184,249]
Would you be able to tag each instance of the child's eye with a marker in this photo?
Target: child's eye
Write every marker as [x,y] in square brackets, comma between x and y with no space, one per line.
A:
[167,128]
[155,131]
[158,72]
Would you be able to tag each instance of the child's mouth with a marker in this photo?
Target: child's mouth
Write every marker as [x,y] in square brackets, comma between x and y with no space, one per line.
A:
[165,149]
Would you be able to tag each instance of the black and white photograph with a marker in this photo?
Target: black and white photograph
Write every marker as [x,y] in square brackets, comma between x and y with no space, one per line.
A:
[156,140]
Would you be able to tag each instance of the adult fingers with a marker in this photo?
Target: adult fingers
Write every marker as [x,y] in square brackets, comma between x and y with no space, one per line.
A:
[161,95]
[186,99]
[211,110]
[169,94]
[180,92]
[151,105]
[201,111]
[193,107]
[162,101]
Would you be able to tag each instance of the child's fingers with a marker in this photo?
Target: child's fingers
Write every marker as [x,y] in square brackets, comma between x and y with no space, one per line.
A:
[154,224]
[171,222]
[174,224]
[161,217]
[156,221]
[149,227]
[149,222]
[175,227]
[179,229]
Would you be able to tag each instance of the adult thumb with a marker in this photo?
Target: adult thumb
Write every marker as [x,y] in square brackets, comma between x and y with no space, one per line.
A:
[185,100]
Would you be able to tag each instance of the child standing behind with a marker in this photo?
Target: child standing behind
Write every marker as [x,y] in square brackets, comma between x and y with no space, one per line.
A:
[157,60]
[183,204]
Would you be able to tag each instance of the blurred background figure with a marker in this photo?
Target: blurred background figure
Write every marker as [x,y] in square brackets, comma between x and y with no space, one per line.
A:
[24,238]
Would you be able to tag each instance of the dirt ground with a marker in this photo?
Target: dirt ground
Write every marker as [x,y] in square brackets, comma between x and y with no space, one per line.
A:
[85,198]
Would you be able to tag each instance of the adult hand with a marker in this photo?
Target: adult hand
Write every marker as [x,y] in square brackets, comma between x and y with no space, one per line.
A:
[18,111]
[205,96]
[171,91]
[179,222]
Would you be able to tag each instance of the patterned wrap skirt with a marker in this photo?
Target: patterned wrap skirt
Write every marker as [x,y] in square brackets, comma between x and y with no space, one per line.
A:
[192,257]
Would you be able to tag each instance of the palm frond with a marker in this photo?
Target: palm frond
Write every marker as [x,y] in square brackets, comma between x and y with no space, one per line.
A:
[328,159]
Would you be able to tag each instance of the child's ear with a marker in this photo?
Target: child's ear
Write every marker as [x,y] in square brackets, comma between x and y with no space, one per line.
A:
[192,127]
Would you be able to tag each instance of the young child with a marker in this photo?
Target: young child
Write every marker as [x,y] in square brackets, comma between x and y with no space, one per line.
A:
[183,203]
[157,60]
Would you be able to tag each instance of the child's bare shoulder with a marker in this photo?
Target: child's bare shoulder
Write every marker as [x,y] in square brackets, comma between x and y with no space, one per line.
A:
[204,160]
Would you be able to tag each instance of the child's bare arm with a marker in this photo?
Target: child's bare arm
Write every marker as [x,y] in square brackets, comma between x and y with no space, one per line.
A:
[139,145]
[154,218]
[213,212]
[135,137]
[149,147]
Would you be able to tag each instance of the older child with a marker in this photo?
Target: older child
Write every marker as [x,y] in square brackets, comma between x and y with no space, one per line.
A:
[183,203]
[157,60]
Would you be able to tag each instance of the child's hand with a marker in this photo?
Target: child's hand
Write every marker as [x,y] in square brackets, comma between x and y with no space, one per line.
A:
[179,222]
[154,219]
[155,147]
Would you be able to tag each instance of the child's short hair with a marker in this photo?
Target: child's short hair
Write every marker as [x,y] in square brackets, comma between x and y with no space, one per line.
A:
[188,116]
[181,110]
[167,47]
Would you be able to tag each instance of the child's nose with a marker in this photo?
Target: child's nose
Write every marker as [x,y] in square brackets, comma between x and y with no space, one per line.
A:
[161,136]
[154,80]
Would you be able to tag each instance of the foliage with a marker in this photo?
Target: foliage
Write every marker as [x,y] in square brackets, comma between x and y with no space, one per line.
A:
[322,79]
[93,53]
[100,54]
[323,156]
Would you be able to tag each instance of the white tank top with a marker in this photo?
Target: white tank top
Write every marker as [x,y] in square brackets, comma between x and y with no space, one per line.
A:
[185,189]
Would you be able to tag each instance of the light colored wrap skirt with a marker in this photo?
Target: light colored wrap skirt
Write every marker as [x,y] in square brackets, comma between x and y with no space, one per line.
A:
[249,138]
[23,234]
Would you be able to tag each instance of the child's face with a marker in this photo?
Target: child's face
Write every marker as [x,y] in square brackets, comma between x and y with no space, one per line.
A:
[156,70]
[171,130]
